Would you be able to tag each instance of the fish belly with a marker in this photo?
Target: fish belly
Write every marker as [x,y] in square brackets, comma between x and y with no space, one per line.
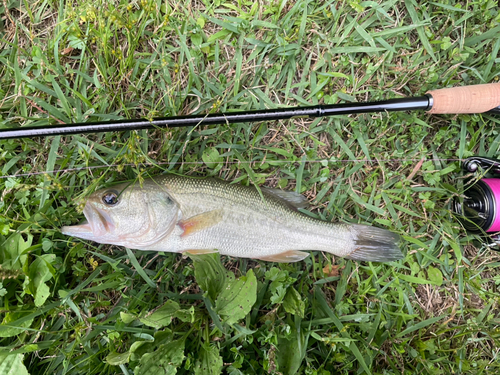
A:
[257,236]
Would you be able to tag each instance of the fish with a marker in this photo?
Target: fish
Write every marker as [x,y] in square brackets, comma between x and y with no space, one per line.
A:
[171,213]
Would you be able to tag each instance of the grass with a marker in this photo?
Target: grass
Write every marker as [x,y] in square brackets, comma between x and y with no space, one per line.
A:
[72,307]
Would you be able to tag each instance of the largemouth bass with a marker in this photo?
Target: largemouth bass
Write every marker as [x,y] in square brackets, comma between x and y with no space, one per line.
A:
[178,214]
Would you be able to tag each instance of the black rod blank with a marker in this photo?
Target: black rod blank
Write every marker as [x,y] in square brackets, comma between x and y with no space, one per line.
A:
[403,104]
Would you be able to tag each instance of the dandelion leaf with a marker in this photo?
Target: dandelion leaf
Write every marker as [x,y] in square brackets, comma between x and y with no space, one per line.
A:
[210,274]
[12,364]
[210,361]
[163,361]
[237,298]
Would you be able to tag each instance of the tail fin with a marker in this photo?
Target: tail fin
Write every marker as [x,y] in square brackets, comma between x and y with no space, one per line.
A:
[373,244]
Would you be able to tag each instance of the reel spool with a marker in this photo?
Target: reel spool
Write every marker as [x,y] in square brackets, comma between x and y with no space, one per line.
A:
[479,211]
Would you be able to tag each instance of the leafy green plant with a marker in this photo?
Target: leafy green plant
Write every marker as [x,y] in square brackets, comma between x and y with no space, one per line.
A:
[73,307]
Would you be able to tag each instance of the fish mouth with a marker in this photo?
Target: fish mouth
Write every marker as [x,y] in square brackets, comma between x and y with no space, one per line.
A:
[97,225]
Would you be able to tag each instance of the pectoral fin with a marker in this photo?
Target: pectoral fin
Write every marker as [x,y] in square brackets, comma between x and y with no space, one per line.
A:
[200,222]
[286,257]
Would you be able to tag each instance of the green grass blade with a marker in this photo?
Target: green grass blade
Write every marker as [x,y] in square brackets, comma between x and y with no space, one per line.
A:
[139,269]
[51,162]
[410,6]
[420,325]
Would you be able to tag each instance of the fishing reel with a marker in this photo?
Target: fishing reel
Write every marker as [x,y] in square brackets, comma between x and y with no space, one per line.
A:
[479,210]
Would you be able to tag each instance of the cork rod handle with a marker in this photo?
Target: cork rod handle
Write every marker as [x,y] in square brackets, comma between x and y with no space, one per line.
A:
[466,99]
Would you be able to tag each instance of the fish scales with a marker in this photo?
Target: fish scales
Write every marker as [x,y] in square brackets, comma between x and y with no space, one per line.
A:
[175,214]
[251,223]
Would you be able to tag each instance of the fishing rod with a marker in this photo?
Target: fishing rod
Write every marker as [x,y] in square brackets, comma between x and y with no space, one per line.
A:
[466,99]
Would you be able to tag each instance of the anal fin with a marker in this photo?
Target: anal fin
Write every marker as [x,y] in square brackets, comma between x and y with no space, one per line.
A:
[200,222]
[200,251]
[286,257]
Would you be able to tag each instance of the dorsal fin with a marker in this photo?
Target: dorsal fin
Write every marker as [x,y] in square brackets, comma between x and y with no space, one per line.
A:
[293,199]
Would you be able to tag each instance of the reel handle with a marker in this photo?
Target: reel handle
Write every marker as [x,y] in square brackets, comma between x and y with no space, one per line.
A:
[466,99]
[473,163]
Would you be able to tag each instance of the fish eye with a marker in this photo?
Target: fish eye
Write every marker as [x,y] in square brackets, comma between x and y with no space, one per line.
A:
[110,198]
